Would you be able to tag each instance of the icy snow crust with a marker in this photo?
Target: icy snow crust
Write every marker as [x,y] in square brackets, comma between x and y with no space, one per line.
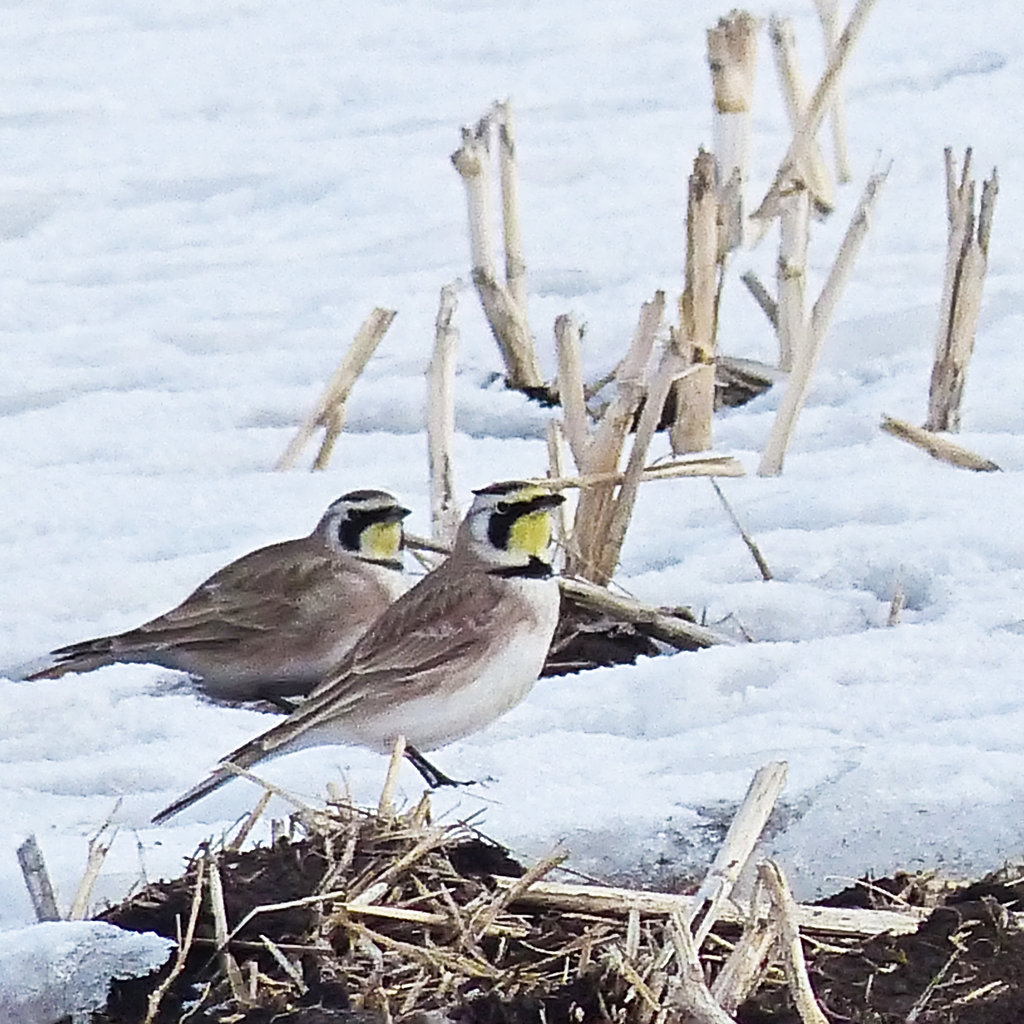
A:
[60,968]
[199,206]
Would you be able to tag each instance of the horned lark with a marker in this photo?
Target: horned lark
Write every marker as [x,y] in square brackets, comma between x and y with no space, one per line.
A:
[460,648]
[276,620]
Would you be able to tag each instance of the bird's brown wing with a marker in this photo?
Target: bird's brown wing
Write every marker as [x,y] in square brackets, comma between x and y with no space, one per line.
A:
[267,590]
[411,649]
[444,609]
[274,589]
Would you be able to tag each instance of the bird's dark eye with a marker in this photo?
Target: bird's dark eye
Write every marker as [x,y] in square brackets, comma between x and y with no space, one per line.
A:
[500,523]
[349,530]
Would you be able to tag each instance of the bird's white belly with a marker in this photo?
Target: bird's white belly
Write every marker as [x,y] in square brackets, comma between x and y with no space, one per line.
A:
[433,720]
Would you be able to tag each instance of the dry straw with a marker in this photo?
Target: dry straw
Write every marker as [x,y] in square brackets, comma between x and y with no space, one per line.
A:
[420,917]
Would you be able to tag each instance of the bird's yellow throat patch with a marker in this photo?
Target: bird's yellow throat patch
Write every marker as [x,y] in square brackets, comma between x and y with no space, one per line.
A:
[381,541]
[531,534]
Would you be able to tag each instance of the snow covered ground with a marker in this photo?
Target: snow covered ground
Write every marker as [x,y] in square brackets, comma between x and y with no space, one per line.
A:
[200,204]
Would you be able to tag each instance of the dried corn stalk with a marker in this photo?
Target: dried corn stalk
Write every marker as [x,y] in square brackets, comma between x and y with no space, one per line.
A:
[444,508]
[594,550]
[329,411]
[694,342]
[805,359]
[732,58]
[966,264]
[828,13]
[817,106]
[813,171]
[504,301]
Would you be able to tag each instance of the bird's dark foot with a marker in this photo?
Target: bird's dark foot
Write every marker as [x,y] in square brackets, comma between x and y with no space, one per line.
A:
[285,704]
[432,776]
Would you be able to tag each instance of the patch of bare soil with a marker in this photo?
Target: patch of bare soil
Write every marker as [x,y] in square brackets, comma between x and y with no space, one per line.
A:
[586,639]
[383,918]
[964,964]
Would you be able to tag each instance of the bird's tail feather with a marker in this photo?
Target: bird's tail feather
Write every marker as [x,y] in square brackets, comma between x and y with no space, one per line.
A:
[244,757]
[80,657]
[213,781]
[296,731]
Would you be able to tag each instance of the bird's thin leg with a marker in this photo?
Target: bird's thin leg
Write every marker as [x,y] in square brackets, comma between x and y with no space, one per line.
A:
[432,776]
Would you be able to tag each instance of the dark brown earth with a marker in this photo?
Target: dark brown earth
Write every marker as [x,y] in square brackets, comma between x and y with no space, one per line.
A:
[964,964]
[284,872]
[586,639]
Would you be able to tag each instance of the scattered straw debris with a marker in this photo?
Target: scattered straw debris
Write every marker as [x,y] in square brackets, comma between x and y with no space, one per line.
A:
[382,913]
[385,917]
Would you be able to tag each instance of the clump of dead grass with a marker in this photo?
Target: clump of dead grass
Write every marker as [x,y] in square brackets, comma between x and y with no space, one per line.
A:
[393,917]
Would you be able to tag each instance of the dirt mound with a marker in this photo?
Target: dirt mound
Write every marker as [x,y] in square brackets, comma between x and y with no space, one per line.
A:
[363,917]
